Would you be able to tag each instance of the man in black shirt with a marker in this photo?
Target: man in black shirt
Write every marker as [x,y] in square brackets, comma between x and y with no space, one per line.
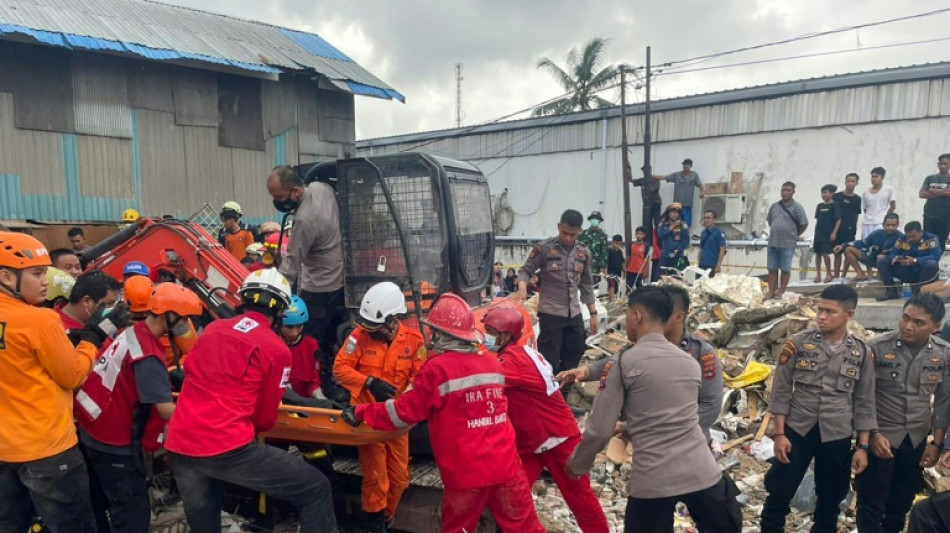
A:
[615,264]
[936,190]
[849,206]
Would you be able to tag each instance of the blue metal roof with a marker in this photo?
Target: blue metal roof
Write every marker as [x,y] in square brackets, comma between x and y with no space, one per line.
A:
[162,32]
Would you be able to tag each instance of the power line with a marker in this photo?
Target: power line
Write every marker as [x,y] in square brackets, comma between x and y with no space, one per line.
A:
[686,69]
[809,36]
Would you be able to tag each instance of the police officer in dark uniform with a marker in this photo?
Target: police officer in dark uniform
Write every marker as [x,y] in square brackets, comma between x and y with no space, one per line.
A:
[911,368]
[711,390]
[822,391]
[564,267]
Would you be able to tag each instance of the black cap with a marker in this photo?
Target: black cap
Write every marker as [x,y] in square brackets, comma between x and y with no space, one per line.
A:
[687,161]
[595,214]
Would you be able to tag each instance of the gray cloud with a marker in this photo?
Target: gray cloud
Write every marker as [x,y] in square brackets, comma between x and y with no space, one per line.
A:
[414,44]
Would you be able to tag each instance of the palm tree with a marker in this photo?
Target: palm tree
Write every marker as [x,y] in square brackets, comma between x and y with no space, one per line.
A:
[582,78]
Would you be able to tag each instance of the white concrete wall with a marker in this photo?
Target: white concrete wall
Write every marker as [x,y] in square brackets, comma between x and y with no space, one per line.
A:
[540,187]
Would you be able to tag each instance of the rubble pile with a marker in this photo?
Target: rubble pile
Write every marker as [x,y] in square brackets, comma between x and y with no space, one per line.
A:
[731,313]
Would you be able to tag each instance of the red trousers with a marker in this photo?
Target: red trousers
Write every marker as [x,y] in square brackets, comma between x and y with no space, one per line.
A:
[510,503]
[578,495]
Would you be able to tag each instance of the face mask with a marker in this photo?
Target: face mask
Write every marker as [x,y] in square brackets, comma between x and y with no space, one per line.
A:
[181,328]
[490,342]
[594,223]
[286,205]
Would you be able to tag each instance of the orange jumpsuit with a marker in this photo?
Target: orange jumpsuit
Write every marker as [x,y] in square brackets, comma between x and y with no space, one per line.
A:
[384,465]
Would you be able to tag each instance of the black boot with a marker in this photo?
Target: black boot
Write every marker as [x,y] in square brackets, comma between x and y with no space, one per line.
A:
[891,294]
[376,522]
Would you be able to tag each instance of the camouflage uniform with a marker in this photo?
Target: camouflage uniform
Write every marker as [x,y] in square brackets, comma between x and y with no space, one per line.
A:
[596,241]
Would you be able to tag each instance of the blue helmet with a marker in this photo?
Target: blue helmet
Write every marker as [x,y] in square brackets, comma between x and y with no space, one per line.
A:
[135,268]
[296,314]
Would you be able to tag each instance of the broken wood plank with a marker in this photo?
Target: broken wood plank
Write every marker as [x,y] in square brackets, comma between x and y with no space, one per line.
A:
[735,442]
[752,398]
[764,427]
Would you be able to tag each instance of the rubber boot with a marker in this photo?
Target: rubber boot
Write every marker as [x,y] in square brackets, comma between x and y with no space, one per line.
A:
[376,522]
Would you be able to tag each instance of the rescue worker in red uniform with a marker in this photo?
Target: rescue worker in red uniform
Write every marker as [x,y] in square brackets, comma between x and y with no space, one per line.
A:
[460,391]
[123,405]
[545,430]
[377,362]
[304,386]
[236,376]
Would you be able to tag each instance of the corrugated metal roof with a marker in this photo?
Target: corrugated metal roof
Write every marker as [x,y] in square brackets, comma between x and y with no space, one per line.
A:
[162,32]
[761,92]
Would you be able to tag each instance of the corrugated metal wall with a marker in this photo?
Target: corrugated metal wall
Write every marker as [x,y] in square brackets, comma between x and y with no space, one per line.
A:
[147,135]
[897,101]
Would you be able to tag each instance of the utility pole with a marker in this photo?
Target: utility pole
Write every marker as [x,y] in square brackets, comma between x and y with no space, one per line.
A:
[458,95]
[627,173]
[647,137]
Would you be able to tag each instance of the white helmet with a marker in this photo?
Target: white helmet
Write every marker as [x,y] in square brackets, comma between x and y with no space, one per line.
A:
[232,206]
[267,287]
[382,302]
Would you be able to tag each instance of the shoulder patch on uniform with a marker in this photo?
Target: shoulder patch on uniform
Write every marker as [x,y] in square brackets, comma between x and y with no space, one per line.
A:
[246,325]
[602,384]
[421,352]
[534,251]
[788,350]
[708,362]
[350,345]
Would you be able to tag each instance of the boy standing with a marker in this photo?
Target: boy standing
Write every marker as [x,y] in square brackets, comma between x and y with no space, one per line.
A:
[638,266]
[849,205]
[712,245]
[827,224]
[878,201]
[614,265]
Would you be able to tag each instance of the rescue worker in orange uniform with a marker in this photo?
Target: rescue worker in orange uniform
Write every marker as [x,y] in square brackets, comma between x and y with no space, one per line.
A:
[235,236]
[40,463]
[460,390]
[123,405]
[377,362]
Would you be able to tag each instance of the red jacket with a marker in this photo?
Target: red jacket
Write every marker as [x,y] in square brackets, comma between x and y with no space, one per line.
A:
[304,367]
[106,403]
[462,396]
[535,414]
[235,378]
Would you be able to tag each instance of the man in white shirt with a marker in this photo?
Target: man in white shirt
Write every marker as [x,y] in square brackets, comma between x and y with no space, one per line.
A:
[879,201]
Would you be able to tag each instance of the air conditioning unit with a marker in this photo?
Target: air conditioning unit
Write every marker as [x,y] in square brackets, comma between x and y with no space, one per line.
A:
[729,208]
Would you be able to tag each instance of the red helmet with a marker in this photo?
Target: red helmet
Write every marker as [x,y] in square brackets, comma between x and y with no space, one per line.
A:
[452,316]
[505,319]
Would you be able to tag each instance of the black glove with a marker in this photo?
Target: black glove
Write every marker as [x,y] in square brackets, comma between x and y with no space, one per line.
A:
[381,390]
[349,416]
[177,378]
[105,322]
[292,398]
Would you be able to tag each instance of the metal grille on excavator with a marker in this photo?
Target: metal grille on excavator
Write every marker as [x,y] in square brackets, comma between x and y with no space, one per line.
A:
[473,224]
[373,248]
[207,218]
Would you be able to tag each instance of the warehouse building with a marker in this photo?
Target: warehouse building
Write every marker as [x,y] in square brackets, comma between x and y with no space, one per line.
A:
[114,104]
[811,132]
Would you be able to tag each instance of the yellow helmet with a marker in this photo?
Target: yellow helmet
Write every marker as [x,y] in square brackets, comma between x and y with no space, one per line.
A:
[676,205]
[129,216]
[60,284]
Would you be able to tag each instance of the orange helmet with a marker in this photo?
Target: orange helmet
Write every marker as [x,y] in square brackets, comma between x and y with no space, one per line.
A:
[172,298]
[137,291]
[19,251]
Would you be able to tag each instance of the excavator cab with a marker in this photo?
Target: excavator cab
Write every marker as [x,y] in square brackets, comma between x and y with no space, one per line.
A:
[421,221]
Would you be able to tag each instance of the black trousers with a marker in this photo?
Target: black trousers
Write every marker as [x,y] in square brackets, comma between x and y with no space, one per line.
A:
[561,340]
[931,515]
[651,218]
[634,281]
[122,479]
[887,488]
[715,510]
[258,467]
[832,479]
[939,226]
[57,487]
[327,313]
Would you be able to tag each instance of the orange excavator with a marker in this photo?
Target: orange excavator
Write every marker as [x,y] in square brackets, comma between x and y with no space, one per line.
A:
[420,221]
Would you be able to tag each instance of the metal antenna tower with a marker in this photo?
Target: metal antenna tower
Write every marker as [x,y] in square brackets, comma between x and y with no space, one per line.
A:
[459,114]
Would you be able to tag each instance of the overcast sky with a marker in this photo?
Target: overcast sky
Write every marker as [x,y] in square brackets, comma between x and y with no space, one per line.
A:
[414,44]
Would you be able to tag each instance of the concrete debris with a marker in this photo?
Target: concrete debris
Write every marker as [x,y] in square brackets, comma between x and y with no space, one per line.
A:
[731,313]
